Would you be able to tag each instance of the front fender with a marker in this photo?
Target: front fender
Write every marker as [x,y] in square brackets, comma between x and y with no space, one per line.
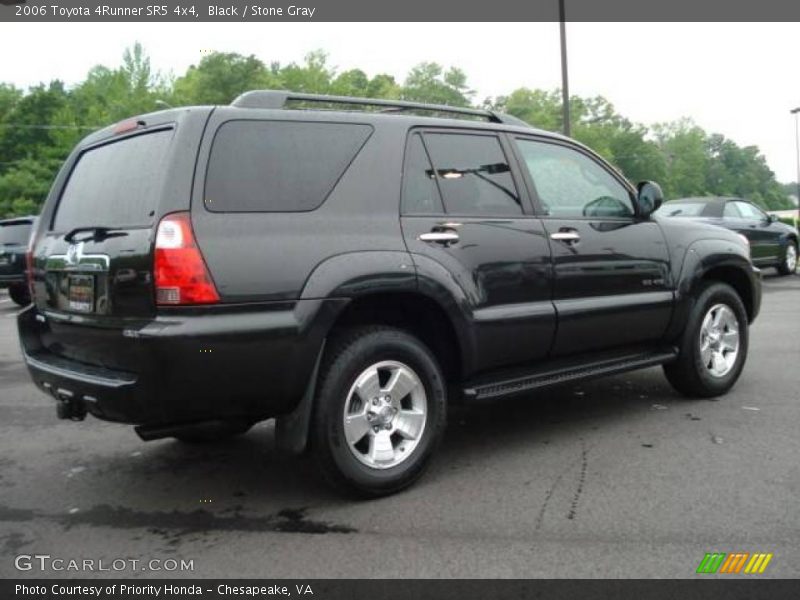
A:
[700,258]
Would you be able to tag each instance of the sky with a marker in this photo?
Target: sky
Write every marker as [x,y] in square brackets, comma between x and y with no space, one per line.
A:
[737,79]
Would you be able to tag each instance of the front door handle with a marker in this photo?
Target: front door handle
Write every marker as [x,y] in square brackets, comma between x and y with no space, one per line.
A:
[569,237]
[440,237]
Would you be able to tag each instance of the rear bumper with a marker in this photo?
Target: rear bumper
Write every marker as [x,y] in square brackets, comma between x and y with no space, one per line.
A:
[251,364]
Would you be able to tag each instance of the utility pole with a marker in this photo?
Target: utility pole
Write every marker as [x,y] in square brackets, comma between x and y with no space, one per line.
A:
[795,112]
[564,74]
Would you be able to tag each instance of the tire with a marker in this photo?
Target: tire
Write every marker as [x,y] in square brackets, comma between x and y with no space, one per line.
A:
[789,263]
[359,372]
[19,294]
[210,435]
[691,374]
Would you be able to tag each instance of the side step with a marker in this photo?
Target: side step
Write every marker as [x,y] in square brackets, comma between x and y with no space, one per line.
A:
[555,373]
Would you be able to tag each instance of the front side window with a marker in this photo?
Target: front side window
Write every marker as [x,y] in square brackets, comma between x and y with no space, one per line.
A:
[732,211]
[748,211]
[473,174]
[570,184]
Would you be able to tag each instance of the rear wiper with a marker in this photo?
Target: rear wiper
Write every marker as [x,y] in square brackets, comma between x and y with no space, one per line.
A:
[98,233]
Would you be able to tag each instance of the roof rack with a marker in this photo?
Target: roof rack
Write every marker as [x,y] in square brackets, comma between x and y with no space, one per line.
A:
[277,99]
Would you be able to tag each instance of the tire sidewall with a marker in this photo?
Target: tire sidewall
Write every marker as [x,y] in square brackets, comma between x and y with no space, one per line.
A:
[718,293]
[368,350]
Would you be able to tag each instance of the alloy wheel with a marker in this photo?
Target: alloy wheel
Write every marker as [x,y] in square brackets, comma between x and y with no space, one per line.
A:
[385,414]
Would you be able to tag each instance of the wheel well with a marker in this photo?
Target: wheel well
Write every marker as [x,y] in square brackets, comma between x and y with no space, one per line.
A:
[415,313]
[738,280]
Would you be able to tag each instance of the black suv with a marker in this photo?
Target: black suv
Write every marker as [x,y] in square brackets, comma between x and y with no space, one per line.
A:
[351,267]
[14,237]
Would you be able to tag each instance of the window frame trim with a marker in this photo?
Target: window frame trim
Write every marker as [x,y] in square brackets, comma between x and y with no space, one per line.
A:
[569,144]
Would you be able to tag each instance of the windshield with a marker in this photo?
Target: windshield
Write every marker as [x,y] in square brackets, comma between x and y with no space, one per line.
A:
[682,209]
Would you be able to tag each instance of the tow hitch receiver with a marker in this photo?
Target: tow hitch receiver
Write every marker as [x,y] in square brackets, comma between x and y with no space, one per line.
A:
[69,407]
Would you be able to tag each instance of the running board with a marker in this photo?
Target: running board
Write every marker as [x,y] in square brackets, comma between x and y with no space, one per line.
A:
[554,374]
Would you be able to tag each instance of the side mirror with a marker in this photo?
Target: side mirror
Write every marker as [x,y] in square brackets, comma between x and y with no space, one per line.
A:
[649,198]
[772,218]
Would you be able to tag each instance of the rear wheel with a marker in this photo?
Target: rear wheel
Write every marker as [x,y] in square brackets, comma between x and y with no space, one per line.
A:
[714,345]
[789,264]
[380,412]
[19,294]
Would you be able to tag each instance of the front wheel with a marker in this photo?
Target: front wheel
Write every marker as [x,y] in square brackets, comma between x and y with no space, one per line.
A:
[714,345]
[789,263]
[380,412]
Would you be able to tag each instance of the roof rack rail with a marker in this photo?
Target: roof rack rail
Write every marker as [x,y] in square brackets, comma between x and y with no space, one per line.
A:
[277,99]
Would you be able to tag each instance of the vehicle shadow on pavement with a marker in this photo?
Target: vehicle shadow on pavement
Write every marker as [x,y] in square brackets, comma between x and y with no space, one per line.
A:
[249,471]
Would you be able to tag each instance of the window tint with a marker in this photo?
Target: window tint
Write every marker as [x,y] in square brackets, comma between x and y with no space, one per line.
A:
[473,174]
[15,234]
[749,211]
[116,184]
[420,192]
[278,166]
[570,184]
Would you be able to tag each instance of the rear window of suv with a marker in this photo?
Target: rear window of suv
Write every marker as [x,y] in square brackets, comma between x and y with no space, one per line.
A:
[15,234]
[115,184]
[279,166]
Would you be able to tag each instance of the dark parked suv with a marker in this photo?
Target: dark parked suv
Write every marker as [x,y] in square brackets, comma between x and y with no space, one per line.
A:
[14,237]
[353,266]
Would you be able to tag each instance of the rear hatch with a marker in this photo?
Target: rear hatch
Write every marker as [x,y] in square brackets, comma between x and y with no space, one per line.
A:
[93,253]
[14,235]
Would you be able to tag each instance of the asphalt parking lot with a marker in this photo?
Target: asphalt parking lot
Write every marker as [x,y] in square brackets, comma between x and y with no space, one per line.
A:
[619,477]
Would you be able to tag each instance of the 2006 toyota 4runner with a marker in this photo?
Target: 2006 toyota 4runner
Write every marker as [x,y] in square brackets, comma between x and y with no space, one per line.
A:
[351,267]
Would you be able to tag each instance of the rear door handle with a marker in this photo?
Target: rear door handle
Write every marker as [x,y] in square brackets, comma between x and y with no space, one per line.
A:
[570,237]
[441,237]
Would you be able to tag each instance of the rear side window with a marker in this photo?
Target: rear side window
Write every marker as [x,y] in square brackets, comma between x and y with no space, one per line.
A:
[473,174]
[14,234]
[116,184]
[279,166]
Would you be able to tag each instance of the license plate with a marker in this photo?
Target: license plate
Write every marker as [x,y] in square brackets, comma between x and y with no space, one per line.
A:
[81,293]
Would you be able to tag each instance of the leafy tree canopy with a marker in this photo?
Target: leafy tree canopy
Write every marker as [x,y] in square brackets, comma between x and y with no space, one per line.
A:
[40,126]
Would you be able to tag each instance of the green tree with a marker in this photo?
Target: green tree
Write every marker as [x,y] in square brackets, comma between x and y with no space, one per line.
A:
[429,82]
[219,78]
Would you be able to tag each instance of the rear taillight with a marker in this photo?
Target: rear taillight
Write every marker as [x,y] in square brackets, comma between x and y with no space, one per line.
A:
[181,274]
